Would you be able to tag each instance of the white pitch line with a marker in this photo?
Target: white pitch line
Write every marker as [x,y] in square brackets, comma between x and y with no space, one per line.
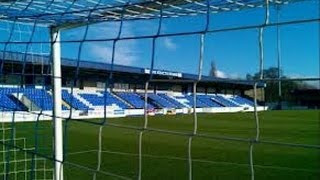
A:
[199,160]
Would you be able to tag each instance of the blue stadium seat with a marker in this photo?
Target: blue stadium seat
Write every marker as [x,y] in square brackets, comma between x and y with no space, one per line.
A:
[134,99]
[208,100]
[200,104]
[243,101]
[190,101]
[106,99]
[172,100]
[161,102]
[41,98]
[73,101]
[224,101]
[8,102]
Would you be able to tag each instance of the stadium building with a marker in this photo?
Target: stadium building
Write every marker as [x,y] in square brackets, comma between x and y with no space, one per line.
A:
[87,95]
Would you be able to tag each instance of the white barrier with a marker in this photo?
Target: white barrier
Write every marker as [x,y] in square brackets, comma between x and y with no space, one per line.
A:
[22,116]
[134,112]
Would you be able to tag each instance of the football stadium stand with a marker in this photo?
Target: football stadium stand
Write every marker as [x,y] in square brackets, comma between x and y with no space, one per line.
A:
[89,100]
[94,102]
[124,100]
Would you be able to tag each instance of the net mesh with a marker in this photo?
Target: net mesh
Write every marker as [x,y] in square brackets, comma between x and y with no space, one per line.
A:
[139,148]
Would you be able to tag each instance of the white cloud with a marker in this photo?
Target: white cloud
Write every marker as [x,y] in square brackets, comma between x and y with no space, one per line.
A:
[221,74]
[299,76]
[125,52]
[169,44]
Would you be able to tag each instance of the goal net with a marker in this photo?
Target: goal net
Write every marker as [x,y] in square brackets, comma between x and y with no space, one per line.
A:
[69,69]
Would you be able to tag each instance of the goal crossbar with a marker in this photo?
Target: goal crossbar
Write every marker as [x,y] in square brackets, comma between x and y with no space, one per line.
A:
[78,13]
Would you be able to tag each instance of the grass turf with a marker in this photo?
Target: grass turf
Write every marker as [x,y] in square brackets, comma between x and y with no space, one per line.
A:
[165,155]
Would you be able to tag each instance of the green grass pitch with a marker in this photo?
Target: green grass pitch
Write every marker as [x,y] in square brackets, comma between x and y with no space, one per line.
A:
[165,155]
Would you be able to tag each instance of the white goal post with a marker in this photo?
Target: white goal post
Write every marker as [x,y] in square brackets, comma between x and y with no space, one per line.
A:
[57,103]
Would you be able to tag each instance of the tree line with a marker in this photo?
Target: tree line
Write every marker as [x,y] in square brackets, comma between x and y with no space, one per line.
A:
[272,88]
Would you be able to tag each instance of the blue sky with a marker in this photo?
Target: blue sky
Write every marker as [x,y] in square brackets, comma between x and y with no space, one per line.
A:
[235,53]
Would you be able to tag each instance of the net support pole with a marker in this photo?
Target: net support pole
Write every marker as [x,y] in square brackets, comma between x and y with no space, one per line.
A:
[57,103]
